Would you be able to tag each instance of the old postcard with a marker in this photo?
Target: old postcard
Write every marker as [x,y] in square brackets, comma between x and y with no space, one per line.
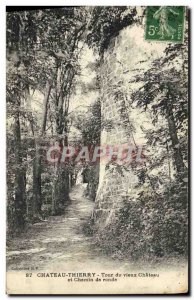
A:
[97,150]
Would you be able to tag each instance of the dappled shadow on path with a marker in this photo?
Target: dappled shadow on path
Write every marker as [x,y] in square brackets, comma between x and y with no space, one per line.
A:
[58,242]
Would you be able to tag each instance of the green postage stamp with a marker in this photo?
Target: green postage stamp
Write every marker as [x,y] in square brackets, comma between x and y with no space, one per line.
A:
[165,23]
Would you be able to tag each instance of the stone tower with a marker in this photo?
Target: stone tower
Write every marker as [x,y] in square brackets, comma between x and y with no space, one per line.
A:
[115,182]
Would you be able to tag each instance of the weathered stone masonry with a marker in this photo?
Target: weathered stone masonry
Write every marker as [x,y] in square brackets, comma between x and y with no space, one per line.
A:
[113,186]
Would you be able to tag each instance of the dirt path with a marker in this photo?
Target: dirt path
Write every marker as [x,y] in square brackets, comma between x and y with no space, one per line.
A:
[59,245]
[58,242]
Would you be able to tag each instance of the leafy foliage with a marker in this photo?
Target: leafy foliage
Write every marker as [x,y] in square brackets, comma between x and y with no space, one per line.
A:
[154,225]
[42,58]
[105,24]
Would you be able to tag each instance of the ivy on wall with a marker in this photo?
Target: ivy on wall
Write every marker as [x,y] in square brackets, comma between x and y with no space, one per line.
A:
[106,22]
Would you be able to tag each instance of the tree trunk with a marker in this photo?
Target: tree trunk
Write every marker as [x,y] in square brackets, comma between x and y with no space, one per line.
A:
[37,169]
[37,201]
[178,159]
[20,197]
[64,189]
[60,191]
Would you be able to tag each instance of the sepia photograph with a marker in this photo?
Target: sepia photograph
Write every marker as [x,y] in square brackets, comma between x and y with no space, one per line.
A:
[97,150]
